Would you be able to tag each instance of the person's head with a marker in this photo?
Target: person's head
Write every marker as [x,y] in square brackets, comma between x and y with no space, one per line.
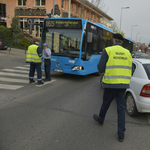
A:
[118,38]
[36,41]
[45,45]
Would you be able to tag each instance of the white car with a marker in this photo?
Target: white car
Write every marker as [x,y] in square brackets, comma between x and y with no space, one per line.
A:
[138,95]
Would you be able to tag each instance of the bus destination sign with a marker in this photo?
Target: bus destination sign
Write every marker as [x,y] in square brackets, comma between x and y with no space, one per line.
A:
[63,24]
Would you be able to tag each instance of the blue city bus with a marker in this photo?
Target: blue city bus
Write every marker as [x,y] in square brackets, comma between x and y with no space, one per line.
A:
[76,44]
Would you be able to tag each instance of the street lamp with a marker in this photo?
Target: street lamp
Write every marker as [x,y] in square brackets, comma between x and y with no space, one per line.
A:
[132,30]
[53,7]
[140,39]
[121,15]
[136,39]
[137,36]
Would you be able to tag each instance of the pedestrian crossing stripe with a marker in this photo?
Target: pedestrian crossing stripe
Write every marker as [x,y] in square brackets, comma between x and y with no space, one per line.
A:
[13,80]
[22,68]
[21,74]
[14,70]
[10,87]
[14,74]
[19,71]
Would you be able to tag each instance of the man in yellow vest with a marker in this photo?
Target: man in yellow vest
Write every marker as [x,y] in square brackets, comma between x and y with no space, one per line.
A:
[116,64]
[33,57]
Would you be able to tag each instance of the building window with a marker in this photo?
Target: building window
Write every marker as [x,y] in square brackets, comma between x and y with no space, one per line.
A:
[91,16]
[22,2]
[87,15]
[76,9]
[62,3]
[39,2]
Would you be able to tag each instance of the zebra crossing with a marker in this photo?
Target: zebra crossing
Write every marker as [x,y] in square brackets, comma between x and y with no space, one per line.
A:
[16,78]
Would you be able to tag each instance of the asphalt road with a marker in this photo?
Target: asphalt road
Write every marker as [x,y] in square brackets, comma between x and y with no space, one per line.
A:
[58,115]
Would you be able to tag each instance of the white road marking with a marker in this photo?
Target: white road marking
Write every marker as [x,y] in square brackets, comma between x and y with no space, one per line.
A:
[13,70]
[14,74]
[27,65]
[10,87]
[46,83]
[22,68]
[13,80]
[148,117]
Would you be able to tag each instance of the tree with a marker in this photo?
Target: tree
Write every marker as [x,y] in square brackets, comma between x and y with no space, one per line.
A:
[17,31]
[99,4]
[115,28]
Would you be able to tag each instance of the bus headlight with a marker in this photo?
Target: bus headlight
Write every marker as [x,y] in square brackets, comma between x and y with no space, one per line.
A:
[77,68]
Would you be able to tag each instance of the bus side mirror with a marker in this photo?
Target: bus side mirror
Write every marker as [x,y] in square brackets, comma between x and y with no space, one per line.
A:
[30,29]
[89,37]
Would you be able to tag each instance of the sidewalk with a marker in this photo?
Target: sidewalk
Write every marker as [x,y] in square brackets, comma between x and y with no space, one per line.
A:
[14,51]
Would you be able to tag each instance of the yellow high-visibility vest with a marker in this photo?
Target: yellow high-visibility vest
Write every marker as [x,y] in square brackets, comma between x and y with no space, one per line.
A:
[119,66]
[32,55]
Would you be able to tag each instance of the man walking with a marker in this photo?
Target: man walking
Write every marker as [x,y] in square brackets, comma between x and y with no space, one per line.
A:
[47,62]
[33,57]
[116,63]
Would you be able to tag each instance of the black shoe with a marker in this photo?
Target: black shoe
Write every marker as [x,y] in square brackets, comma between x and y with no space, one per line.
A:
[46,80]
[31,81]
[120,139]
[96,119]
[41,83]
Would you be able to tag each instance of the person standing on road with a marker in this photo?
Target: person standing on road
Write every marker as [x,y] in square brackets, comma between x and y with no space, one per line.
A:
[47,62]
[33,57]
[116,63]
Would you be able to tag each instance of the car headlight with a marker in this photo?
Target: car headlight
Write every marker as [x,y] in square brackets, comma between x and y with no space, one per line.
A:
[77,68]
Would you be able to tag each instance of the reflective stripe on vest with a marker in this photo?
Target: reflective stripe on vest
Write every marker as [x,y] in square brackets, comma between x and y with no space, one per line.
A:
[119,66]
[32,55]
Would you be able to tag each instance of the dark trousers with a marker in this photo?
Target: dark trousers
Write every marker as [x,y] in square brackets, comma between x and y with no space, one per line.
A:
[47,67]
[36,66]
[119,95]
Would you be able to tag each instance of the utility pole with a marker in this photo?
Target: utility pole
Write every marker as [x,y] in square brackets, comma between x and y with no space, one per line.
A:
[53,7]
[69,9]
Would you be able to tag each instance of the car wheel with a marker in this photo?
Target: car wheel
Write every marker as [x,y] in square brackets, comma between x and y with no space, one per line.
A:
[101,81]
[130,105]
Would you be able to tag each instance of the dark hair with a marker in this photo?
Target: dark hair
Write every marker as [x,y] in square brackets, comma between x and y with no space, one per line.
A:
[118,41]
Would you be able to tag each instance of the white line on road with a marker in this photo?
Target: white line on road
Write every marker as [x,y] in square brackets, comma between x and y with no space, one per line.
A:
[148,117]
[14,74]
[46,83]
[27,65]
[10,87]
[22,68]
[13,70]
[13,80]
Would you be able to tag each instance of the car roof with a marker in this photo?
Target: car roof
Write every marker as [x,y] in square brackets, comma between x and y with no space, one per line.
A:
[142,61]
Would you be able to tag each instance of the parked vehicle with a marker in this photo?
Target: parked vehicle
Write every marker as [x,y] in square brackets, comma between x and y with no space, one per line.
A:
[146,56]
[138,95]
[3,43]
[137,55]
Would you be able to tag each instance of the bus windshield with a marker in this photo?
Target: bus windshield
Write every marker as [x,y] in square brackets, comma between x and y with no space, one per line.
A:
[63,42]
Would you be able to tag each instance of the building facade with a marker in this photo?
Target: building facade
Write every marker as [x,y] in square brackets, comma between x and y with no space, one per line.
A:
[3,12]
[36,10]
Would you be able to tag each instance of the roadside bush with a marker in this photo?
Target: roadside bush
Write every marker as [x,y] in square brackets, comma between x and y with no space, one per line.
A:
[7,34]
[21,45]
[2,27]
[17,31]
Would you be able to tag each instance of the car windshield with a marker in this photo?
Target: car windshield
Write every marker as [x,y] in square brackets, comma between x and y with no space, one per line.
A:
[147,69]
[63,42]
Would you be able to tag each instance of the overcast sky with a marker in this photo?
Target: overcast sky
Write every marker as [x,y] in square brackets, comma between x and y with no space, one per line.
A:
[137,14]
